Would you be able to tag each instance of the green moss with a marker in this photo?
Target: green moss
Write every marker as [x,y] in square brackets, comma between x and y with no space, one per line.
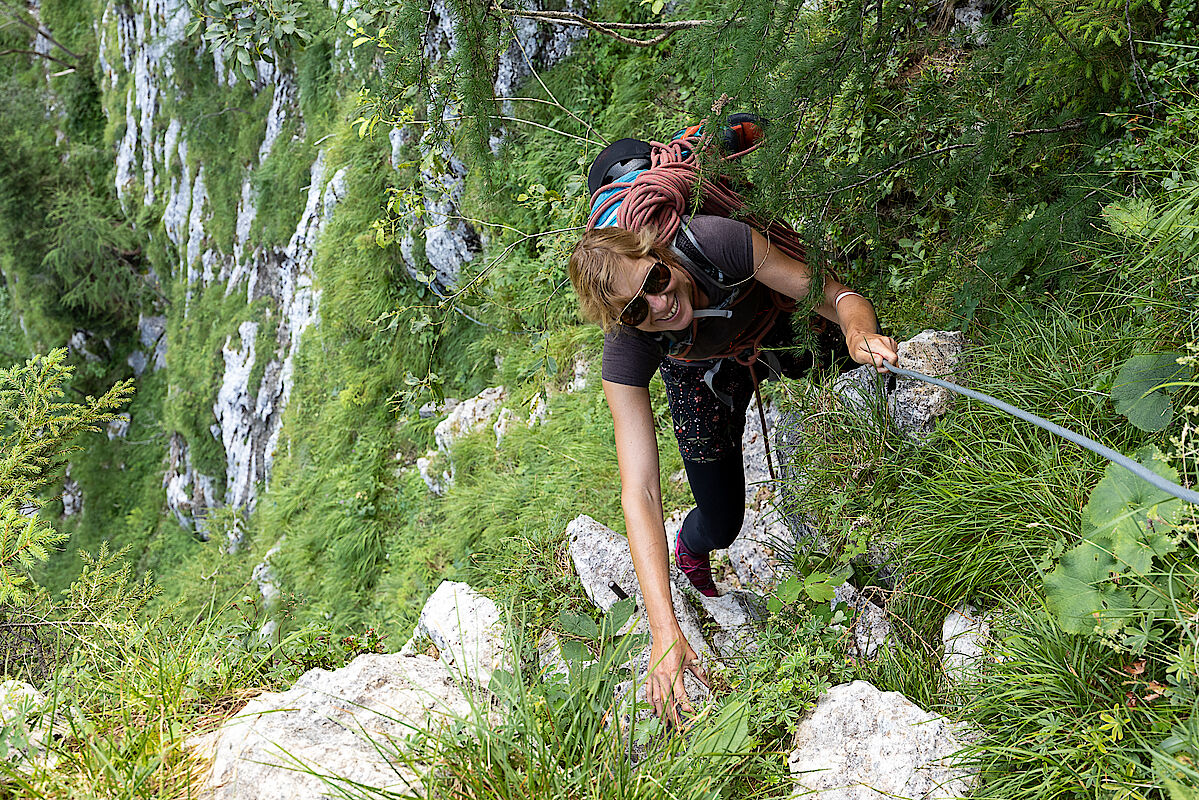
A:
[224,127]
[281,184]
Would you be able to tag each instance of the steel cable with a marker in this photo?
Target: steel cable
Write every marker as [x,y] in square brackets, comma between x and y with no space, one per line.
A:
[1140,470]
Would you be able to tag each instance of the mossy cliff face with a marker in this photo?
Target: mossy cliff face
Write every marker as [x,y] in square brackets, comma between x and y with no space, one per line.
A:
[227,186]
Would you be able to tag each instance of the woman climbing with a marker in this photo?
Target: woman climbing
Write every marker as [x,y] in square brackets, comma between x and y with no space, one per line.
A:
[696,304]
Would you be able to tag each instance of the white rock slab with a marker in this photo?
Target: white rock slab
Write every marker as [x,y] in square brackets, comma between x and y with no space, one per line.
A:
[736,615]
[965,634]
[337,728]
[469,416]
[863,744]
[467,629]
[915,405]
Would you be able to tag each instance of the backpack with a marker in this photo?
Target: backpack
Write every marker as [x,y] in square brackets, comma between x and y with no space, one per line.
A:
[634,183]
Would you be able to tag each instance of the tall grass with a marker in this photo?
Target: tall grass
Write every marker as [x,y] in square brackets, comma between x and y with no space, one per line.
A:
[1055,718]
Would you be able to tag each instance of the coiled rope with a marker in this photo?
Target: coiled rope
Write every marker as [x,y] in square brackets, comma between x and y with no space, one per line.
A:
[662,195]
[1140,470]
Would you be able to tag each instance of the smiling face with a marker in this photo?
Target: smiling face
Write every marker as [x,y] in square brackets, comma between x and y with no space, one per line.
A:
[669,310]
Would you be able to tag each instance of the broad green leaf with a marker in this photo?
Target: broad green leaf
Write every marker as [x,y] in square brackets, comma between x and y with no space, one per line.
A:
[579,625]
[1073,590]
[1140,390]
[618,615]
[727,732]
[821,587]
[1129,217]
[574,652]
[1132,516]
[788,590]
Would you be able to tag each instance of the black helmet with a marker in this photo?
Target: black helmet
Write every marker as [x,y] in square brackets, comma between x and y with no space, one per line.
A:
[617,160]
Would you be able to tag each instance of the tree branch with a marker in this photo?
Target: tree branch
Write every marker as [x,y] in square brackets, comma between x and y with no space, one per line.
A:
[611,28]
[510,119]
[46,56]
[1073,124]
[18,17]
[555,100]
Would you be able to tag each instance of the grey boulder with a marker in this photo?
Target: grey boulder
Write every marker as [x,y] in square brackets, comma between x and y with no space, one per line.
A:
[862,744]
[334,731]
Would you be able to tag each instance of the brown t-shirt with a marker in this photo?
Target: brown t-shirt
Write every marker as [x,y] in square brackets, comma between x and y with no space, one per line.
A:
[631,356]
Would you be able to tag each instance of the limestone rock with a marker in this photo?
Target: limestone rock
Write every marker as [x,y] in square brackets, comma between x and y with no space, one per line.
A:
[469,416]
[343,726]
[190,493]
[538,410]
[438,480]
[753,447]
[763,546]
[467,629]
[863,744]
[602,559]
[21,707]
[152,333]
[437,467]
[913,405]
[502,421]
[965,634]
[870,627]
[736,615]
[19,699]
[579,381]
[72,495]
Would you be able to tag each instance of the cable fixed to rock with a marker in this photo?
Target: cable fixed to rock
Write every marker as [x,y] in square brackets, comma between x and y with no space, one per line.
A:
[1140,470]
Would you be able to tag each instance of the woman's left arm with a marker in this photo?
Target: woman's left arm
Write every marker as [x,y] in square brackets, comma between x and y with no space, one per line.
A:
[851,311]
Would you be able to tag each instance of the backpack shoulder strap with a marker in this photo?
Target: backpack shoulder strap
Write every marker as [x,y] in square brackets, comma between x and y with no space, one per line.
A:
[687,249]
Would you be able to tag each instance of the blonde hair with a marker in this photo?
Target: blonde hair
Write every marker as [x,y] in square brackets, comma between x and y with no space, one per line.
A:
[593,266]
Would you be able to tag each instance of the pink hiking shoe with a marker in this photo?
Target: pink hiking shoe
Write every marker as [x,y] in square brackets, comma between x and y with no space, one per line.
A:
[698,569]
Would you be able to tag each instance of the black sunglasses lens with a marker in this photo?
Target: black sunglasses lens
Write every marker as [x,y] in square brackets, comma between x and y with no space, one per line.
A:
[658,278]
[635,312]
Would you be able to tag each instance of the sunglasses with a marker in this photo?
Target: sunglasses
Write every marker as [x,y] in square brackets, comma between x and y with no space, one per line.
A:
[656,281]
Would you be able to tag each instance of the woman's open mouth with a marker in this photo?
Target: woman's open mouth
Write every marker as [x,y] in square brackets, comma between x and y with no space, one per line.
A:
[674,309]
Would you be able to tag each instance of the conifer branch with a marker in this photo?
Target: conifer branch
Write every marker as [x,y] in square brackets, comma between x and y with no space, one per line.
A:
[1073,124]
[1060,33]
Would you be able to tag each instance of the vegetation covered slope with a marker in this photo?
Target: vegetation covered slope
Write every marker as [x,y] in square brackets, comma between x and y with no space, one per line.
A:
[1032,182]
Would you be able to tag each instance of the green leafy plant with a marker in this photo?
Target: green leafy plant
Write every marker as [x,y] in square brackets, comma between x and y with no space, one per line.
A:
[1142,389]
[1129,523]
[252,29]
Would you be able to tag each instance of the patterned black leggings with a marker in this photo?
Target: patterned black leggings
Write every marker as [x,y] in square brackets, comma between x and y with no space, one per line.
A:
[709,432]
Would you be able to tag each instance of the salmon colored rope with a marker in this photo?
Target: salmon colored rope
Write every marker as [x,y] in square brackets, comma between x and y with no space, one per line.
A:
[662,195]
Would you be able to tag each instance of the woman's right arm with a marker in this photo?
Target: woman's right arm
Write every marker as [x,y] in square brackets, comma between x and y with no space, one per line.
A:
[641,499]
